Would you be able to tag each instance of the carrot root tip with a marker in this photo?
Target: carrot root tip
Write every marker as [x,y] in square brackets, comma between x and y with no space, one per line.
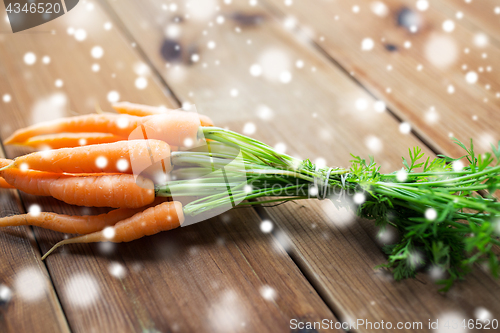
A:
[98,109]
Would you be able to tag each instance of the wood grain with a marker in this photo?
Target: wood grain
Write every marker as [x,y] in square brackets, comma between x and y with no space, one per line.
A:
[214,277]
[480,16]
[341,254]
[315,115]
[419,76]
[308,90]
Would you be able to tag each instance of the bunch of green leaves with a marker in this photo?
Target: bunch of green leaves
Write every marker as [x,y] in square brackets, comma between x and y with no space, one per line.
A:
[446,214]
[465,229]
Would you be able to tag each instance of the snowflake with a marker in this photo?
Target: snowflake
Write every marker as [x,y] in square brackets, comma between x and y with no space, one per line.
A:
[211,45]
[379,106]
[458,166]
[471,77]
[117,270]
[30,284]
[268,293]
[264,112]
[374,143]
[430,214]
[367,44]
[361,104]
[5,294]
[80,35]
[266,226]
[195,57]
[342,214]
[141,83]
[386,236]
[436,273]
[280,148]
[320,162]
[422,5]
[122,165]
[249,128]
[101,162]
[401,175]
[34,210]
[448,25]
[108,232]
[81,290]
[97,52]
[29,58]
[285,77]
[431,116]
[255,70]
[359,198]
[113,96]
[441,50]
[379,8]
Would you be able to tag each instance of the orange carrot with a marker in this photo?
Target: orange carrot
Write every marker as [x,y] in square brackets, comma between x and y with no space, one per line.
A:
[69,140]
[4,162]
[116,191]
[119,125]
[146,110]
[3,183]
[165,216]
[69,224]
[139,110]
[74,224]
[117,157]
[177,128]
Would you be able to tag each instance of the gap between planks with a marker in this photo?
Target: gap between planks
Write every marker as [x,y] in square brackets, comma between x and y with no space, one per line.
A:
[309,274]
[277,14]
[166,86]
[260,211]
[301,265]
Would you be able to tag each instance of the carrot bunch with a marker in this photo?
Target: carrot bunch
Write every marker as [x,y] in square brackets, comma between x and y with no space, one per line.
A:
[441,223]
[94,176]
[102,160]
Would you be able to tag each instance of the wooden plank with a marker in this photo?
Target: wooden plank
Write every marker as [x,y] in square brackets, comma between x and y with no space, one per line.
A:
[210,277]
[315,115]
[342,258]
[217,276]
[28,301]
[418,77]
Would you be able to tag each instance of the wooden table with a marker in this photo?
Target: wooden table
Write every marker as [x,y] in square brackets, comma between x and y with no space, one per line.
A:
[319,78]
